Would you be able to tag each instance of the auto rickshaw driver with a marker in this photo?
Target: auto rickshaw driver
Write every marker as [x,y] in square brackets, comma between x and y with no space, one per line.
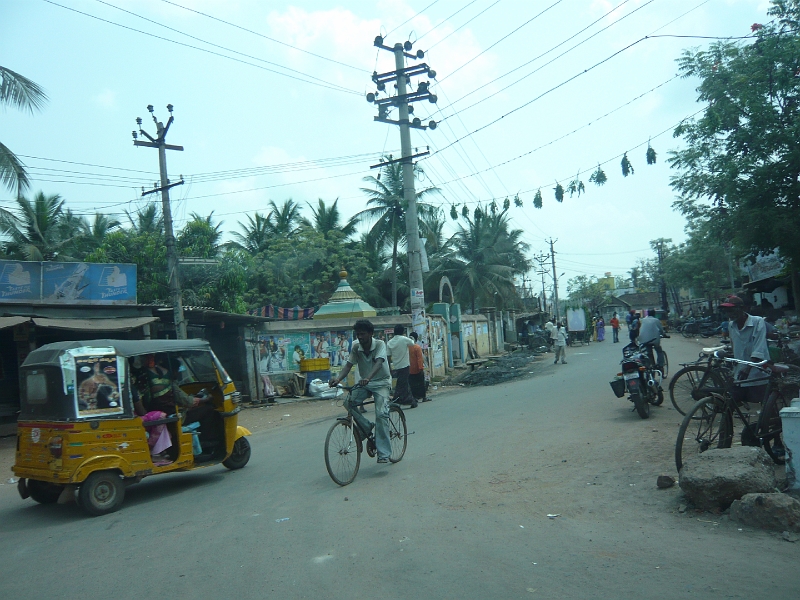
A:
[164,394]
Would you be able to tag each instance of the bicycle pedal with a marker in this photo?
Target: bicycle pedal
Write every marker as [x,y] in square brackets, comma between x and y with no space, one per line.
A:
[372,450]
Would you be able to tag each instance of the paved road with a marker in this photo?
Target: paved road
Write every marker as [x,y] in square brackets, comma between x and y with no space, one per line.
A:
[464,515]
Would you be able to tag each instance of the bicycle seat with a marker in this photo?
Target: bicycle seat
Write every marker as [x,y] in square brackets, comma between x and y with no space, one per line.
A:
[713,349]
[778,368]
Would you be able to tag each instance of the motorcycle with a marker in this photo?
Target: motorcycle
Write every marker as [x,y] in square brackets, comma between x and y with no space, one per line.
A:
[640,378]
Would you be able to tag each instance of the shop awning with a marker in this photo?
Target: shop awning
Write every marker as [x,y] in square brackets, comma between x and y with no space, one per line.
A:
[115,324]
[12,321]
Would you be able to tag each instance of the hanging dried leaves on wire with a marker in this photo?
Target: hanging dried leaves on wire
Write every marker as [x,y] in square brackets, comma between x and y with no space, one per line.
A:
[559,190]
[493,207]
[453,212]
[537,199]
[465,212]
[651,155]
[627,167]
[576,186]
[598,177]
[517,201]
[478,214]
[506,204]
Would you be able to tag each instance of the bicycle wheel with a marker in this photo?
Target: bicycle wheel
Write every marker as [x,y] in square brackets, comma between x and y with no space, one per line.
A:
[342,452]
[686,331]
[686,387]
[665,368]
[398,434]
[709,424]
[770,431]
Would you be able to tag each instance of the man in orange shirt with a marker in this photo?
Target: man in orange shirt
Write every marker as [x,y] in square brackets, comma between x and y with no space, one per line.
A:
[416,372]
[615,327]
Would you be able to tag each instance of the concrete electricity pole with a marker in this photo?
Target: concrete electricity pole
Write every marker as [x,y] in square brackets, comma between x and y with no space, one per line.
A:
[541,258]
[172,254]
[555,279]
[402,76]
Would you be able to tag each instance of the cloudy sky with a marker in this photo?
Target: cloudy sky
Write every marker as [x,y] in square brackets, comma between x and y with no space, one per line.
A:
[270,104]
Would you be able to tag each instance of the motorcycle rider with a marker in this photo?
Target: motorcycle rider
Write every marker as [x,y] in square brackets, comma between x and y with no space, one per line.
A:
[650,332]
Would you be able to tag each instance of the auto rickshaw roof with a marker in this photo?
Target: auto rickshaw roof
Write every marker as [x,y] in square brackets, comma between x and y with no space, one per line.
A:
[49,354]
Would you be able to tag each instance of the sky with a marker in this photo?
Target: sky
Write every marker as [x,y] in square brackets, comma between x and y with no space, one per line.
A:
[270,103]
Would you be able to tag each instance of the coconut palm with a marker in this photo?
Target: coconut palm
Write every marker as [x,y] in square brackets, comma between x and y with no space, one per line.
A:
[39,231]
[386,209]
[147,220]
[483,259]
[22,93]
[284,219]
[255,236]
[200,237]
[329,219]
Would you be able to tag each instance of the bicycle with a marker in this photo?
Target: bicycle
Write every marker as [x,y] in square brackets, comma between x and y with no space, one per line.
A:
[686,386]
[344,443]
[710,422]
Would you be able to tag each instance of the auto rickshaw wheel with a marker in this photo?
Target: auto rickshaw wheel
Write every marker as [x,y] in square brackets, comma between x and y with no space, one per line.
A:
[44,492]
[101,493]
[240,455]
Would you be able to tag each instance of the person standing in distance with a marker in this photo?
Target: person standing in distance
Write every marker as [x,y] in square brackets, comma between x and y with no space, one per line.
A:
[561,344]
[416,370]
[615,327]
[398,357]
[370,356]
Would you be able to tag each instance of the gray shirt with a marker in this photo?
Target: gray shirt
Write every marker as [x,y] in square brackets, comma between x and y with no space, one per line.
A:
[749,342]
[650,330]
[365,361]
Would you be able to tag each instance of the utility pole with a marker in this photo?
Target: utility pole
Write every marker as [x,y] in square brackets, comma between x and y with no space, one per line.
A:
[541,258]
[172,255]
[662,285]
[402,76]
[555,279]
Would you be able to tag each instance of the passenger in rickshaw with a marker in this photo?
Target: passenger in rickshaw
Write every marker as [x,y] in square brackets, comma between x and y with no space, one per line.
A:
[166,395]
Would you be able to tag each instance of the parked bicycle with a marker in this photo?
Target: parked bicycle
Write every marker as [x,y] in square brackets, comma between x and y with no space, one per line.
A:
[711,424]
[686,386]
[345,442]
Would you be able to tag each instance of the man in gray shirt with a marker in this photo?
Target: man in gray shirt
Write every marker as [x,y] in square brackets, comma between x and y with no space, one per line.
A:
[748,335]
[650,332]
[369,354]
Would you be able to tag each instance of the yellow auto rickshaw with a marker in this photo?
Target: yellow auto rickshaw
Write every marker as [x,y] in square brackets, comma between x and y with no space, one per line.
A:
[78,434]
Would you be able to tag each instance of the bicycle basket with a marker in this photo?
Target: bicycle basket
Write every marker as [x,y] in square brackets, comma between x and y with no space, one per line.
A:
[618,387]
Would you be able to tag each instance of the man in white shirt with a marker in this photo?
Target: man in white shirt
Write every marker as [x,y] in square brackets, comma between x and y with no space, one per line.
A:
[400,363]
[552,332]
[369,355]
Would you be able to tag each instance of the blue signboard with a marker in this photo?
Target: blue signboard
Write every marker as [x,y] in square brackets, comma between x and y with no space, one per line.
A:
[67,283]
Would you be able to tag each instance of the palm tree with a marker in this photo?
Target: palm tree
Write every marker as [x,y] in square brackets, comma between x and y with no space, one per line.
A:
[329,219]
[22,93]
[386,209]
[256,235]
[200,238]
[147,220]
[482,260]
[284,220]
[40,232]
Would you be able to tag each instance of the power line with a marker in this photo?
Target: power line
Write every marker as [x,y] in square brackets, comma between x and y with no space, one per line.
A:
[331,86]
[474,104]
[464,25]
[217,45]
[450,17]
[410,19]
[501,39]
[266,37]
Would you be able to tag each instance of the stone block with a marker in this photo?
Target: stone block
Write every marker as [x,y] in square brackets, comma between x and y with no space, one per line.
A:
[777,512]
[715,478]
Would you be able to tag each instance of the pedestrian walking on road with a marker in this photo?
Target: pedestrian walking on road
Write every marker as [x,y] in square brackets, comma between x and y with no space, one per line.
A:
[601,329]
[416,370]
[561,345]
[399,362]
[615,327]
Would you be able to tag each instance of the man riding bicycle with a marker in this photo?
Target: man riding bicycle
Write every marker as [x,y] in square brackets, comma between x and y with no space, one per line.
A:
[369,354]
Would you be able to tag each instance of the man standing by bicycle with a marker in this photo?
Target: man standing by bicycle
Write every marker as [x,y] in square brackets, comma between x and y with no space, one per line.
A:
[369,354]
[748,335]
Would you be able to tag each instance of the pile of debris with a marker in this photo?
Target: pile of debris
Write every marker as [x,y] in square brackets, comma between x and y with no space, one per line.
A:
[497,369]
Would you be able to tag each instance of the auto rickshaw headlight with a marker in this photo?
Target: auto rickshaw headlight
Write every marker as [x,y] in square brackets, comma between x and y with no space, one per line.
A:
[55,446]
